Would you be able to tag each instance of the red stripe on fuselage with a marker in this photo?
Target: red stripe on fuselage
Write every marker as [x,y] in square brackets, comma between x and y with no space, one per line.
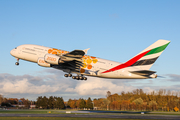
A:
[128,63]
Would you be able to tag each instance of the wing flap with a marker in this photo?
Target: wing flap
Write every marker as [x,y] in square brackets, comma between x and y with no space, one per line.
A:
[72,61]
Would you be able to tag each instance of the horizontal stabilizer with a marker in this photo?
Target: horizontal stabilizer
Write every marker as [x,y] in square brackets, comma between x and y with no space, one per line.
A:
[143,72]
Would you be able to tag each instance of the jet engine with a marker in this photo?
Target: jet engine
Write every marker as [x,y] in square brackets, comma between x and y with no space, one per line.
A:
[52,59]
[41,62]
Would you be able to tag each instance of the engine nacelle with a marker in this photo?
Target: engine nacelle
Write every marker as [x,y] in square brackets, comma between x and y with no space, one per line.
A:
[52,59]
[41,62]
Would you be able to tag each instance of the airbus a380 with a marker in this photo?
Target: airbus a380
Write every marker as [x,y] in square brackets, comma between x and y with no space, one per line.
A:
[84,65]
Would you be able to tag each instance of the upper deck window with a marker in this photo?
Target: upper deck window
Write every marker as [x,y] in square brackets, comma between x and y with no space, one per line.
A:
[29,49]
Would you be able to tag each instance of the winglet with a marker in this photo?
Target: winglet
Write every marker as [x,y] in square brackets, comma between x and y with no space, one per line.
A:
[86,50]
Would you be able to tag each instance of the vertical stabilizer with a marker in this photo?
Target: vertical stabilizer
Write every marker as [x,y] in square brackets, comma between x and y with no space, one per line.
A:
[150,54]
[145,59]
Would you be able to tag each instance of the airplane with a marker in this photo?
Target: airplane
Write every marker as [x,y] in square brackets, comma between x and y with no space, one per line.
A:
[78,62]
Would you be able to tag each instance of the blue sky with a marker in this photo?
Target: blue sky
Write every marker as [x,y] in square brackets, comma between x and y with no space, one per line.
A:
[113,29]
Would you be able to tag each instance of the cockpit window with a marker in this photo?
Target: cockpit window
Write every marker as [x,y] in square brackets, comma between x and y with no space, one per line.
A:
[15,47]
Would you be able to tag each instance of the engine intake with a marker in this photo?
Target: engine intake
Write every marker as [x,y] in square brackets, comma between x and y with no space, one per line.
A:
[41,62]
[52,59]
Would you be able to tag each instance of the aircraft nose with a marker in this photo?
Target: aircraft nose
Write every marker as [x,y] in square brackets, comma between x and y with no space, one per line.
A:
[12,52]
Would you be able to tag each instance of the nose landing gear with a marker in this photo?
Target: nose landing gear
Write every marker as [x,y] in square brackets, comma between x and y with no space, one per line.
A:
[17,63]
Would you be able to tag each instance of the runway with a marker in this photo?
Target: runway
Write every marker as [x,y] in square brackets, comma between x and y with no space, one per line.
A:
[130,116]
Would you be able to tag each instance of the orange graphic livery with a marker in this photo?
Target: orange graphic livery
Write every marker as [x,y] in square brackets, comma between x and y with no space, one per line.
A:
[87,62]
[42,61]
[57,51]
[51,59]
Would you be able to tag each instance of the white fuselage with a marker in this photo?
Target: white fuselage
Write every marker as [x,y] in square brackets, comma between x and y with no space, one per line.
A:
[94,66]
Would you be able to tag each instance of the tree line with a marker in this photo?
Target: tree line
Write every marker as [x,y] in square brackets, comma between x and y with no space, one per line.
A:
[80,104]
[161,100]
[50,103]
[14,102]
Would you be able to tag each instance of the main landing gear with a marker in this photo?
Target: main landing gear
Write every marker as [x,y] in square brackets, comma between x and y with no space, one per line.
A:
[78,77]
[17,63]
[68,75]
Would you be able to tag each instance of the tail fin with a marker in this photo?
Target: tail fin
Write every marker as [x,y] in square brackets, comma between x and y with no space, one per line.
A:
[147,57]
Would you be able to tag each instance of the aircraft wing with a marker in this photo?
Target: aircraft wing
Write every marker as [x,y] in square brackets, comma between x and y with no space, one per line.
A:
[75,54]
[72,61]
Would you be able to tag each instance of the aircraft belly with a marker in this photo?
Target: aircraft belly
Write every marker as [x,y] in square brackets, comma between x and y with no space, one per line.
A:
[120,75]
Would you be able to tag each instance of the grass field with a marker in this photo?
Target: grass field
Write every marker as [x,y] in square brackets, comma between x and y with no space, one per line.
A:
[37,111]
[48,111]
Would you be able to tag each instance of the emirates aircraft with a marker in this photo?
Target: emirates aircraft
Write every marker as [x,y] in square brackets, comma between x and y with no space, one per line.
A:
[79,63]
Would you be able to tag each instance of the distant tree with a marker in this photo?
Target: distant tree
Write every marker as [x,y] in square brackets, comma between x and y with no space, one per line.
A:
[106,103]
[39,102]
[82,103]
[133,106]
[125,104]
[138,101]
[108,93]
[144,106]
[89,103]
[96,103]
[1,99]
[62,105]
[73,104]
[6,104]
[69,102]
[114,105]
[44,103]
[26,103]
[51,102]
[153,105]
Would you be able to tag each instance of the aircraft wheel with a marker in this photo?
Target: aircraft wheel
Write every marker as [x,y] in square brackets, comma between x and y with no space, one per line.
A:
[85,78]
[65,75]
[17,63]
[77,77]
[81,78]
[69,75]
[73,77]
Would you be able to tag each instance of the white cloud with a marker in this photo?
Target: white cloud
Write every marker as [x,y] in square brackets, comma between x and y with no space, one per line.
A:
[174,77]
[99,86]
[24,86]
[53,83]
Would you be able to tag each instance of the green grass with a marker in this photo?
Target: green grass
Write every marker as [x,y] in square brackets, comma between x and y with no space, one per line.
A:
[61,118]
[37,111]
[24,111]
